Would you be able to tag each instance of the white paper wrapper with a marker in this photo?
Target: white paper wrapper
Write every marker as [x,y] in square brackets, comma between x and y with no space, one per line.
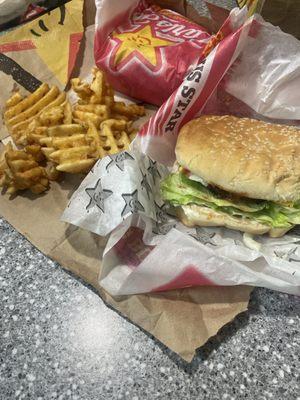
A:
[148,250]
[267,74]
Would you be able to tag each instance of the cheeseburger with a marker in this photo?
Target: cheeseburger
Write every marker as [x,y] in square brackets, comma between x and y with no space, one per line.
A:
[239,173]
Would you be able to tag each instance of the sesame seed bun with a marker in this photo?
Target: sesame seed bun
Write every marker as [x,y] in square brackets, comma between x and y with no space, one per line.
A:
[244,156]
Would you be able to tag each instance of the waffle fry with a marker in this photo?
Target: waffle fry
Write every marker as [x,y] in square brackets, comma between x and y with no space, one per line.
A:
[132,111]
[73,160]
[51,116]
[3,168]
[18,132]
[94,113]
[52,173]
[98,87]
[43,136]
[65,130]
[64,142]
[20,171]
[14,100]
[35,151]
[96,102]
[95,142]
[74,149]
[67,113]
[98,92]
[26,103]
[68,147]
[54,116]
[45,104]
[36,108]
[103,92]
[48,142]
[82,89]
[57,137]
[34,134]
[99,109]
[86,117]
[114,137]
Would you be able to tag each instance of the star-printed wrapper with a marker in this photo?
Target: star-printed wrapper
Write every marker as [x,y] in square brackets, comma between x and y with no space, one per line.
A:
[149,250]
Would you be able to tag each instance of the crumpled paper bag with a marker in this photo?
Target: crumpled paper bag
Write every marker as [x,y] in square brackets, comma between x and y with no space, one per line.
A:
[43,50]
[182,320]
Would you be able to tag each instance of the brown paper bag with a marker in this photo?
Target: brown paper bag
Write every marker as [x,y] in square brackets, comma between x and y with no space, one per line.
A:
[183,320]
[30,54]
[284,13]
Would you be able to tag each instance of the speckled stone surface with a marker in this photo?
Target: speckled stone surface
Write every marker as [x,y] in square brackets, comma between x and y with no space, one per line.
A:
[59,341]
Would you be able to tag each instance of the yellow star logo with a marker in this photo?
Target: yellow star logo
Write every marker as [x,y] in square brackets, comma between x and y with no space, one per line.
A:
[140,43]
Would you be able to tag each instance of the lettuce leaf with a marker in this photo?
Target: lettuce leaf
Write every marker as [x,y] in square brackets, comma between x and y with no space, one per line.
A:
[179,190]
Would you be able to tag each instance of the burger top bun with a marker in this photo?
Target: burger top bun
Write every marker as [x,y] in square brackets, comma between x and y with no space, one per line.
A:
[244,156]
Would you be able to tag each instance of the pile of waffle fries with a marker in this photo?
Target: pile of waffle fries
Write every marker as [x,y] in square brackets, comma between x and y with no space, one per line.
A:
[52,136]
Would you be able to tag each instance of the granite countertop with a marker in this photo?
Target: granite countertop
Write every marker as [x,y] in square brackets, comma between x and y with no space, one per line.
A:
[58,340]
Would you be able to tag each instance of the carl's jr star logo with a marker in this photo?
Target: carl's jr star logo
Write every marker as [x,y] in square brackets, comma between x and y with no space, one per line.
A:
[141,44]
[133,204]
[118,160]
[97,196]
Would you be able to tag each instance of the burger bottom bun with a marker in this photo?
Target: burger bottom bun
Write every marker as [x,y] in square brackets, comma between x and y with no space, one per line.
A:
[193,215]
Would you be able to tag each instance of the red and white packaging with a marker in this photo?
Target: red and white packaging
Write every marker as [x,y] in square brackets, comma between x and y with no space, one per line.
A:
[251,68]
[146,51]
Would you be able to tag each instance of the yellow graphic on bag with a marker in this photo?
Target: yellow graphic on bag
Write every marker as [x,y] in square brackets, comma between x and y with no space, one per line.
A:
[254,6]
[141,44]
[54,37]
